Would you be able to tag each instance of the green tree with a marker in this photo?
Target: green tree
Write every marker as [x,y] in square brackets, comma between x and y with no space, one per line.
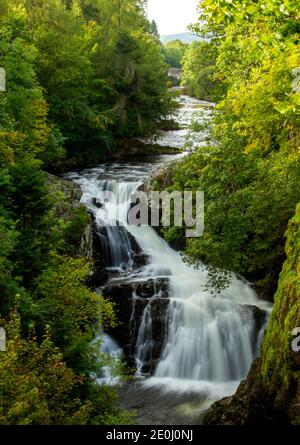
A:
[174,53]
[199,71]
[250,175]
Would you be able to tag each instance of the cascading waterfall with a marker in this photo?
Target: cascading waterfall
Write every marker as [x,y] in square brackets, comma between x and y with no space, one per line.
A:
[118,246]
[145,339]
[208,338]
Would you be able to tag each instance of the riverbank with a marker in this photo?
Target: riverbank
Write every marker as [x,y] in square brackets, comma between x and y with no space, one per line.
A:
[189,346]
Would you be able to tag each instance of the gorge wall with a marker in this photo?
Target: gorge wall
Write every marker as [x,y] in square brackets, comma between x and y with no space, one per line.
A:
[271,392]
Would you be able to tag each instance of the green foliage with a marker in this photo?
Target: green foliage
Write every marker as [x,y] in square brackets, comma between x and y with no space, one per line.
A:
[251,176]
[62,99]
[75,229]
[277,357]
[81,75]
[44,390]
[73,313]
[174,52]
[199,71]
[41,382]
[153,29]
[29,207]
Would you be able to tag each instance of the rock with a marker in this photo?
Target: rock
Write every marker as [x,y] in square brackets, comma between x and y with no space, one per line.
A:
[149,288]
[259,316]
[296,360]
[88,246]
[131,299]
[271,392]
[91,215]
[252,404]
[97,202]
[123,290]
[175,74]
[140,260]
[158,309]
[72,194]
[125,244]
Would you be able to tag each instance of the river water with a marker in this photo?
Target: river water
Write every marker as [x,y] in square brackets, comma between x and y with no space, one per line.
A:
[210,341]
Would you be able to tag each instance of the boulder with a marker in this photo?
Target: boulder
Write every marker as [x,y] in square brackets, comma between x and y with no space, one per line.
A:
[97,202]
[131,299]
[259,316]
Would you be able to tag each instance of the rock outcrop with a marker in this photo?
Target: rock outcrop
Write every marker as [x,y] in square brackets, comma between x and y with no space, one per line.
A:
[271,392]
[131,299]
[67,206]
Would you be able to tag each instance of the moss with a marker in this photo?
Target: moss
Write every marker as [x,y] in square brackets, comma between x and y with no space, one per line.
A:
[72,214]
[278,369]
[271,392]
[280,376]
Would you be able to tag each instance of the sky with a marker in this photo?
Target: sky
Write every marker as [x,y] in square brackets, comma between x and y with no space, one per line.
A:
[172,16]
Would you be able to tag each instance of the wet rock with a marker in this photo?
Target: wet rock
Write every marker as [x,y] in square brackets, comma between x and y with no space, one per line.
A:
[140,260]
[260,318]
[91,215]
[296,359]
[143,289]
[99,274]
[252,404]
[97,202]
[125,244]
[158,310]
[149,288]
[131,299]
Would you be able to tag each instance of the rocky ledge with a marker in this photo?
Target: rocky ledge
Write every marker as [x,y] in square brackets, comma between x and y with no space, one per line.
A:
[132,297]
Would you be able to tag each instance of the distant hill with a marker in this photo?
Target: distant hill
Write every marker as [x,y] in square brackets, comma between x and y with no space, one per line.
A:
[186,37]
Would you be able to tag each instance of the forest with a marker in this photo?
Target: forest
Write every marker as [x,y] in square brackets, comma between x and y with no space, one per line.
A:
[80,77]
[86,81]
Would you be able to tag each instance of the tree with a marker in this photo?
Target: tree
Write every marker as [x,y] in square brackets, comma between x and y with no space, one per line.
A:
[153,29]
[41,391]
[250,170]
[174,52]
[199,71]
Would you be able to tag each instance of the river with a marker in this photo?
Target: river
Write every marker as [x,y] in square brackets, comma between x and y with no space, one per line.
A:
[208,342]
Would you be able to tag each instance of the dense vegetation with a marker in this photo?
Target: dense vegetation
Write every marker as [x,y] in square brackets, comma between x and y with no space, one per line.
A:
[251,175]
[81,75]
[174,52]
[199,71]
[270,394]
[96,66]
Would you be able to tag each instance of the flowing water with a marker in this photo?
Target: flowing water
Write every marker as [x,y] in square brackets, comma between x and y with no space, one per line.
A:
[210,341]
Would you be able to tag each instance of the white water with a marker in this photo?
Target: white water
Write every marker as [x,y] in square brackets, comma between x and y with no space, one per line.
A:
[190,108]
[210,342]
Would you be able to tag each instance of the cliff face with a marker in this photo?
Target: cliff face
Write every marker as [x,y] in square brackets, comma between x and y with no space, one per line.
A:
[271,392]
[81,235]
[280,364]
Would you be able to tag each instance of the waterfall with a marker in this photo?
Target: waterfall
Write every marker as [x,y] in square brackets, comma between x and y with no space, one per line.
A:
[208,338]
